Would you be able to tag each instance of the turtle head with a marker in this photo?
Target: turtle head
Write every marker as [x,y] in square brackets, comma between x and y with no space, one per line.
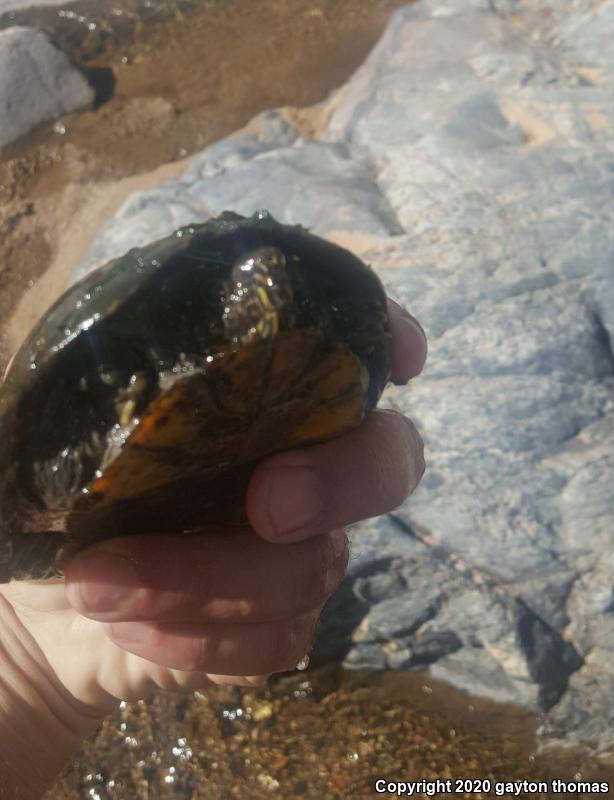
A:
[258,296]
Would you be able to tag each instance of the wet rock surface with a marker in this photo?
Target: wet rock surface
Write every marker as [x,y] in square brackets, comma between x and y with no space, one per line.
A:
[37,83]
[470,161]
[13,5]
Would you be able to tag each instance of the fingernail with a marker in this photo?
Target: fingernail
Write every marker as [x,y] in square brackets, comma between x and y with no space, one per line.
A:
[401,309]
[414,348]
[413,323]
[130,632]
[106,581]
[295,500]
[408,318]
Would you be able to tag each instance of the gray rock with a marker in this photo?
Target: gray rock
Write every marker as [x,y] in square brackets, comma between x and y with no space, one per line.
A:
[397,617]
[376,588]
[37,83]
[474,668]
[317,185]
[366,656]
[470,159]
[15,5]
[428,647]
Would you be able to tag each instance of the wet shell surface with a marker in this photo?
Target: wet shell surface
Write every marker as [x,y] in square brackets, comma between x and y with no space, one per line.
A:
[144,398]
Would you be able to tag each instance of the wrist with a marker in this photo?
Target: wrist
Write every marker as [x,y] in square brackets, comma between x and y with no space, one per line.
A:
[41,724]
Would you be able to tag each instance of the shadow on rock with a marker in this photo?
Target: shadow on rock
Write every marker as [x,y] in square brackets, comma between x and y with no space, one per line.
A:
[103,81]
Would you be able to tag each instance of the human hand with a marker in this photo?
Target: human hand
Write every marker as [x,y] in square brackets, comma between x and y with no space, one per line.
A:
[151,611]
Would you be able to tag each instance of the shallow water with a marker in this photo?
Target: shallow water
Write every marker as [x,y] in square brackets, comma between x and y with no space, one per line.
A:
[323,734]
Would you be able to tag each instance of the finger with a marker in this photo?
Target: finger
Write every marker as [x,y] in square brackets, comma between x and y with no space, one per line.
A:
[225,649]
[209,577]
[241,680]
[369,471]
[174,679]
[409,344]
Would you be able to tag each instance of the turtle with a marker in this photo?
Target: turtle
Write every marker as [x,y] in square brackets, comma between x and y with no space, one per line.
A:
[147,394]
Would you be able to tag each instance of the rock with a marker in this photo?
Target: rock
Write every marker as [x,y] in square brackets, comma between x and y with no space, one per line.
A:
[398,617]
[470,161]
[14,5]
[317,185]
[37,83]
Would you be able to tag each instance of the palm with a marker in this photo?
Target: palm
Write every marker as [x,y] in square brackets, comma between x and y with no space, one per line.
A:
[79,654]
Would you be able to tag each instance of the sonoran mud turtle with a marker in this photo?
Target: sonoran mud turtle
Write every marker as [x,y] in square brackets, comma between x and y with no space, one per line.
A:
[143,399]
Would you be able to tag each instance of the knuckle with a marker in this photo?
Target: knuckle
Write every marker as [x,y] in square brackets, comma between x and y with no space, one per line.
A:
[195,654]
[241,608]
[146,601]
[311,581]
[339,556]
[325,571]
[284,646]
[291,641]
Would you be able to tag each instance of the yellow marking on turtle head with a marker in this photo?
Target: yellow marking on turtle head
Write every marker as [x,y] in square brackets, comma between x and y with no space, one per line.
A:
[265,300]
[265,296]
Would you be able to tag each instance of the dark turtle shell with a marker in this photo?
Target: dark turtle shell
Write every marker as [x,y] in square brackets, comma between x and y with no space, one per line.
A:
[149,391]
